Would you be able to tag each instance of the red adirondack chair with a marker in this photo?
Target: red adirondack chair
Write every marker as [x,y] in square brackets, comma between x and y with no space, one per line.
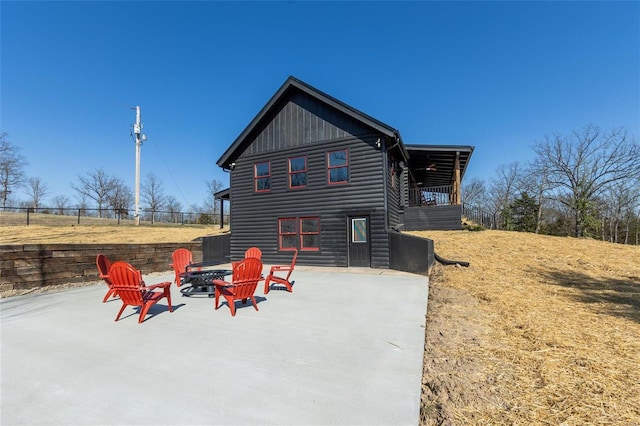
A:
[280,270]
[180,259]
[128,284]
[244,281]
[254,252]
[103,263]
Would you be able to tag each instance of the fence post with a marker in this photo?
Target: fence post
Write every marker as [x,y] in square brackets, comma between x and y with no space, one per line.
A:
[78,216]
[28,216]
[182,218]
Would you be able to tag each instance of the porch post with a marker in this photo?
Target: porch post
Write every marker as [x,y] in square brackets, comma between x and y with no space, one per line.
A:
[221,213]
[457,198]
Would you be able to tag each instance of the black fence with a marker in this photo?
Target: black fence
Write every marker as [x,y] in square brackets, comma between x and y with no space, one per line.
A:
[87,216]
[479,216]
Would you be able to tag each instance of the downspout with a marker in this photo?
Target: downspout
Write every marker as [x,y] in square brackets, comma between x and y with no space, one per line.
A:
[385,161]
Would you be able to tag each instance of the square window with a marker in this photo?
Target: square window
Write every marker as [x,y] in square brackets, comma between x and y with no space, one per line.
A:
[303,233]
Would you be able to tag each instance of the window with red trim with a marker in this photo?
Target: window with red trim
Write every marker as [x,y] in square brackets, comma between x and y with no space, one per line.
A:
[262,177]
[288,233]
[303,233]
[309,233]
[338,167]
[298,172]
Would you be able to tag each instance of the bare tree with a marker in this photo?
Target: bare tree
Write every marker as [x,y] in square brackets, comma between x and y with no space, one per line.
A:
[61,202]
[83,204]
[535,180]
[620,201]
[580,167]
[474,192]
[213,186]
[152,193]
[12,165]
[120,198]
[504,187]
[37,191]
[173,206]
[97,186]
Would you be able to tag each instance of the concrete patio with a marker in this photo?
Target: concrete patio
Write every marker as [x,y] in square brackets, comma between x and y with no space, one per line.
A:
[345,348]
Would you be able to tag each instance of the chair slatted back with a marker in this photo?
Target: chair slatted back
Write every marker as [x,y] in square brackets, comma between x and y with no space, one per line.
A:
[180,259]
[246,275]
[104,264]
[254,252]
[126,283]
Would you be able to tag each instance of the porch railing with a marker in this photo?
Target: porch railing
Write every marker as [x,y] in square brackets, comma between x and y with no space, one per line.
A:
[479,216]
[431,196]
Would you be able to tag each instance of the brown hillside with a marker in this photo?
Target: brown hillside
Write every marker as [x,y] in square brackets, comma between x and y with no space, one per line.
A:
[538,330]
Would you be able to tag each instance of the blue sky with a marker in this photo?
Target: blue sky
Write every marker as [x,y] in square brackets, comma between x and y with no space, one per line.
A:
[495,75]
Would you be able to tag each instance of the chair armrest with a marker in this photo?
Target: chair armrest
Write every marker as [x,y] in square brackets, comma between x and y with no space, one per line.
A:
[221,283]
[280,268]
[154,286]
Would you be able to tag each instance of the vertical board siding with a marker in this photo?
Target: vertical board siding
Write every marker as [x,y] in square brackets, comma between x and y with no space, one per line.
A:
[302,120]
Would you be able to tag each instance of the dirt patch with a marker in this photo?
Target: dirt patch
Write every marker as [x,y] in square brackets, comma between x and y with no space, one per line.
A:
[455,375]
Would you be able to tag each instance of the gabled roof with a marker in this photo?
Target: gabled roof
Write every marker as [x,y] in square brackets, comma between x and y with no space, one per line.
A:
[293,83]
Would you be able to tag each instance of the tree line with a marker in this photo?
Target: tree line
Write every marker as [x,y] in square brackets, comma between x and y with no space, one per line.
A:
[586,184]
[94,188]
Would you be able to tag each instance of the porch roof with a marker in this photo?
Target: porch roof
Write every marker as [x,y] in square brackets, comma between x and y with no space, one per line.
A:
[434,165]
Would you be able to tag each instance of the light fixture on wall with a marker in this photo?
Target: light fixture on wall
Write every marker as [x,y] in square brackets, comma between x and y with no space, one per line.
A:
[378,143]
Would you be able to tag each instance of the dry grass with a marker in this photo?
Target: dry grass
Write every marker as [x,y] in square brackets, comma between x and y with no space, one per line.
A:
[551,334]
[89,234]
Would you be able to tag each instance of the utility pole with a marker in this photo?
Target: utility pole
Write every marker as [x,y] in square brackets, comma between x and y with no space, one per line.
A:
[140,137]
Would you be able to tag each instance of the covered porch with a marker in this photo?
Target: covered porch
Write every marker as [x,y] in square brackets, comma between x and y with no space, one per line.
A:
[435,174]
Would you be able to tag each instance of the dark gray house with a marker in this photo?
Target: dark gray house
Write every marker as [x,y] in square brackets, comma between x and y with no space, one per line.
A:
[312,173]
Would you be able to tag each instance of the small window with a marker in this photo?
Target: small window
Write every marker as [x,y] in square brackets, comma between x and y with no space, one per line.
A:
[310,233]
[262,177]
[298,172]
[338,167]
[288,233]
[359,230]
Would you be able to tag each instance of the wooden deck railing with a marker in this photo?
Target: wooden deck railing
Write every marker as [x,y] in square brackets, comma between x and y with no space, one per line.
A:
[431,196]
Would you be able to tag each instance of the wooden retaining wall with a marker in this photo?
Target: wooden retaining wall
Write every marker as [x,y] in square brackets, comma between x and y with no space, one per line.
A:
[28,266]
